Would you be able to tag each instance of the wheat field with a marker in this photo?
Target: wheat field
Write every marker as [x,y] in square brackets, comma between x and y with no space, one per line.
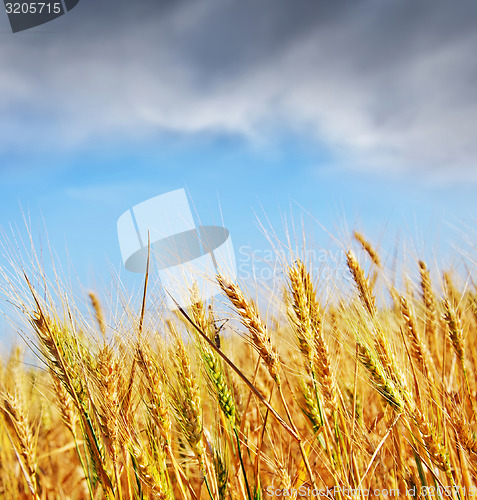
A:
[372,394]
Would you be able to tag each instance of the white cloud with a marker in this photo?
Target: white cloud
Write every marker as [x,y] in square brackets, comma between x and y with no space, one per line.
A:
[383,84]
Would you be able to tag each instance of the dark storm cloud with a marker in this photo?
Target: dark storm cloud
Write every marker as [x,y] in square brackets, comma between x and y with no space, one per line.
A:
[386,84]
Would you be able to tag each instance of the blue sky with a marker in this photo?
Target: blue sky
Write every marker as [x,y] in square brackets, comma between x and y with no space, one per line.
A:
[311,111]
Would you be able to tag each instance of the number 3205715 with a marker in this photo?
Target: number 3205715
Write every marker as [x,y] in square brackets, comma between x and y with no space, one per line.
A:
[33,8]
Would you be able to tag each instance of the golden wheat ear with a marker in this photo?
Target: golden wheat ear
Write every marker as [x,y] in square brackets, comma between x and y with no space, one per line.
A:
[250,318]
[368,248]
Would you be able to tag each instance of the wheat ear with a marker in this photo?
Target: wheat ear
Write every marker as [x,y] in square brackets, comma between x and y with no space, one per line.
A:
[308,324]
[368,248]
[252,321]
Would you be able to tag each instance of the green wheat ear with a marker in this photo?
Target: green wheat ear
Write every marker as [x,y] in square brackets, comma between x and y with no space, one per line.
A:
[217,380]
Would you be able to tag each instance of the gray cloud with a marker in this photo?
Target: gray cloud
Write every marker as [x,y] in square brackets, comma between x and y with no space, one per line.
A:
[386,85]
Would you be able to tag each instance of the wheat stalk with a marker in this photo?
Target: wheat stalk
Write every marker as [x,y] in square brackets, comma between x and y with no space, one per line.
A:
[21,428]
[251,320]
[308,324]
[98,311]
[368,248]
[418,350]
